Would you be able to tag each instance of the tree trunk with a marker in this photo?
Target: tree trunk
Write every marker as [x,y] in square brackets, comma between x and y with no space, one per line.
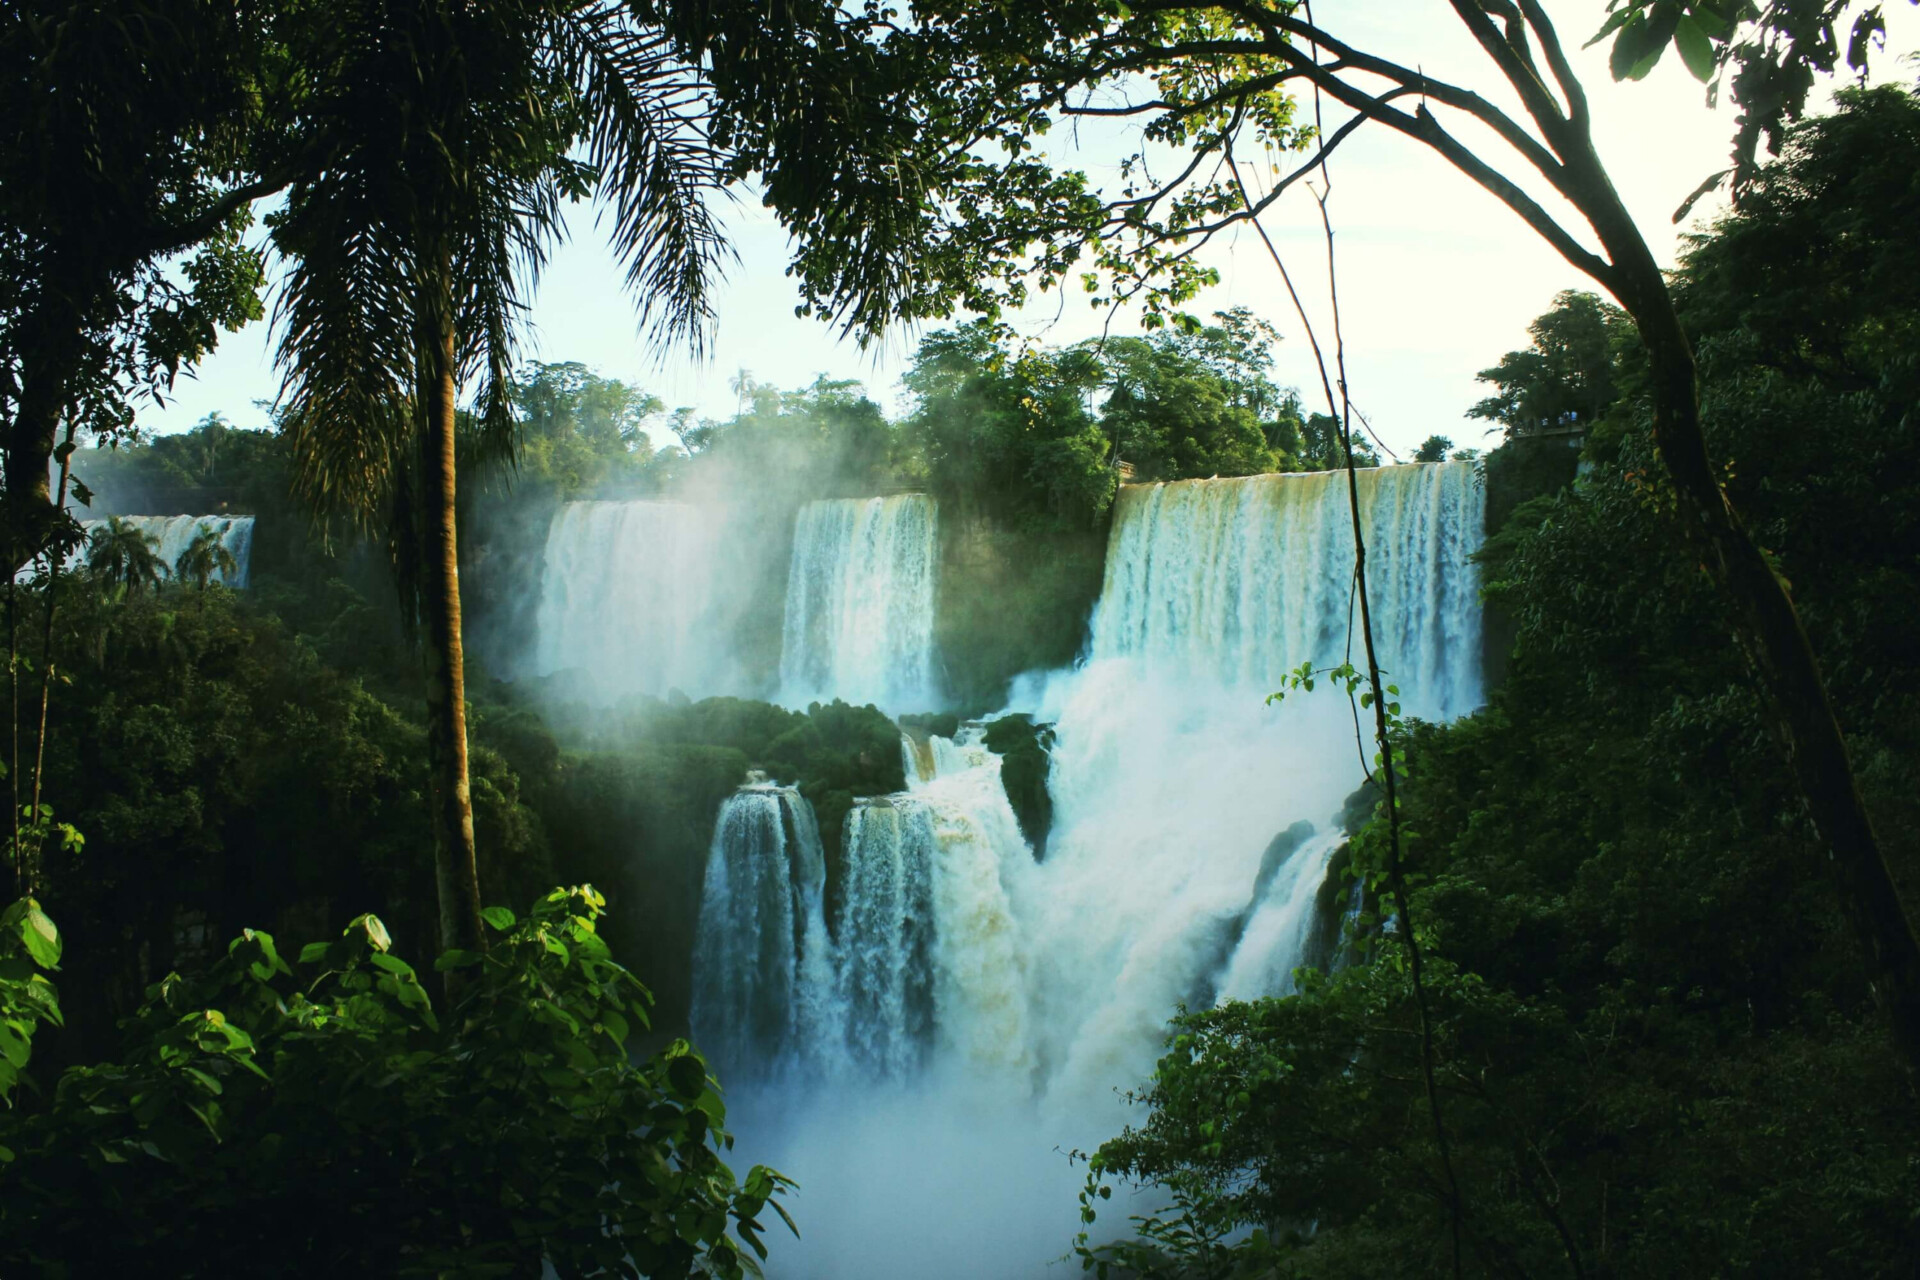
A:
[455,868]
[50,348]
[1764,622]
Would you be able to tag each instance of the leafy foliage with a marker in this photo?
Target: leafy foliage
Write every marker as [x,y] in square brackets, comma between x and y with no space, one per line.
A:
[224,772]
[1776,53]
[1565,378]
[203,557]
[260,1106]
[123,555]
[1011,430]
[29,943]
[134,133]
[1657,1052]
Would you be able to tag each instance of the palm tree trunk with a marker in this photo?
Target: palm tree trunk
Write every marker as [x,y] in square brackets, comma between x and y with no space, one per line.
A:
[455,868]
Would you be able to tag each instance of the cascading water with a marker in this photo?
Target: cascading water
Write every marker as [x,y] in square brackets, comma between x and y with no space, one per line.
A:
[761,960]
[1171,778]
[1243,579]
[171,535]
[883,933]
[630,596]
[859,615]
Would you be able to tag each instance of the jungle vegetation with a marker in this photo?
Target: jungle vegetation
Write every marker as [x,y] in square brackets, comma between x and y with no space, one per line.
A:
[1670,1039]
[1658,1052]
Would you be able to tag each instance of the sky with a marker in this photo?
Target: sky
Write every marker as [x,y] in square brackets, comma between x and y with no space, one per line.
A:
[1436,278]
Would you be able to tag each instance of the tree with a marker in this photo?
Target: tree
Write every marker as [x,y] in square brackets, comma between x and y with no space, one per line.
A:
[121,553]
[133,132]
[1216,81]
[203,557]
[1011,428]
[1811,269]
[438,146]
[439,150]
[1433,449]
[1169,415]
[213,431]
[1634,967]
[1565,378]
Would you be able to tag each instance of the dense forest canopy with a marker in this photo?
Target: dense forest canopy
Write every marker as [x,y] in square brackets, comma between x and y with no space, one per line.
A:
[1584,993]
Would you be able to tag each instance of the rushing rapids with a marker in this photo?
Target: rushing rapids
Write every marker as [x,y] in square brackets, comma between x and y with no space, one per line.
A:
[859,612]
[996,1004]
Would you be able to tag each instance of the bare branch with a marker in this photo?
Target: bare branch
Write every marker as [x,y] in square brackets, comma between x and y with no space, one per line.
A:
[1576,96]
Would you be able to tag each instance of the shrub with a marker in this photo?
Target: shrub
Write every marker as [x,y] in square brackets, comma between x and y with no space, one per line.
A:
[321,1119]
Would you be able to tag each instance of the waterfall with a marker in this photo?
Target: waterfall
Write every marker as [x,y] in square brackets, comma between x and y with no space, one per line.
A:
[980,958]
[1243,579]
[1274,942]
[760,947]
[1172,774]
[859,610]
[884,935]
[171,535]
[631,595]
[925,954]
[1002,1002]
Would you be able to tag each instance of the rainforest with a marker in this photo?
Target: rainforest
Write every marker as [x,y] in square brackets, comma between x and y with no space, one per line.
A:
[1096,805]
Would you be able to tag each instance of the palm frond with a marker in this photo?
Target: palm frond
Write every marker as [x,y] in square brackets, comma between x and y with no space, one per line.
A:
[659,169]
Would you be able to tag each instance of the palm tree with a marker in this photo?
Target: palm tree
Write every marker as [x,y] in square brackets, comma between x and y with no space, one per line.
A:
[203,557]
[444,140]
[122,554]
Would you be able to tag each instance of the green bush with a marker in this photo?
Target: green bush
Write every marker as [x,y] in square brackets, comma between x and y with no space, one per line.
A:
[321,1119]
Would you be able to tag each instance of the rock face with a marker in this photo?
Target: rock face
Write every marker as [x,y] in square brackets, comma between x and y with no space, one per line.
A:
[1023,748]
[1009,601]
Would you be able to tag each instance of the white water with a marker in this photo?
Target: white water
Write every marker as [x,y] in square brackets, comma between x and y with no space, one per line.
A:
[932,1146]
[761,952]
[169,536]
[632,596]
[859,610]
[883,981]
[1241,580]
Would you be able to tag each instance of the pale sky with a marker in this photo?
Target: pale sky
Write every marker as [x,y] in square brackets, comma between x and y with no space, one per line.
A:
[1437,279]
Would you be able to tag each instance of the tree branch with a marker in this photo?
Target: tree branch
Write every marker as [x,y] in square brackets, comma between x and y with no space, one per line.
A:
[177,239]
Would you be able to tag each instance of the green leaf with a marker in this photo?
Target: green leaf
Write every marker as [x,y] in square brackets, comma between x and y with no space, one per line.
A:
[391,963]
[687,1075]
[14,1047]
[1696,49]
[42,939]
[499,917]
[1614,22]
[376,932]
